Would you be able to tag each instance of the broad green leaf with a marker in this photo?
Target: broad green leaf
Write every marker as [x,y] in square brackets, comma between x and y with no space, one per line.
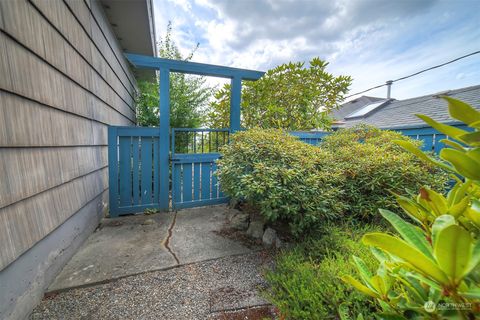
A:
[458,192]
[472,138]
[475,258]
[452,144]
[474,154]
[435,201]
[473,293]
[360,287]
[475,124]
[459,208]
[452,249]
[473,213]
[363,270]
[407,253]
[462,111]
[441,223]
[425,280]
[379,285]
[379,254]
[465,165]
[343,311]
[444,128]
[411,208]
[390,316]
[409,233]
[413,285]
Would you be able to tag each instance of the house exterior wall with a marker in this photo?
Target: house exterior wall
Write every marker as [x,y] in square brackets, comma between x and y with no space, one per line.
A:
[63,80]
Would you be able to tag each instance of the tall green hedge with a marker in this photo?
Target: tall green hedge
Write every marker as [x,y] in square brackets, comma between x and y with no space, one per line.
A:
[281,176]
[352,173]
[374,166]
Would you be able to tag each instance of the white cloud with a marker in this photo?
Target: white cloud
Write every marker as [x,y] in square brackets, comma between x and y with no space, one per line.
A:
[371,40]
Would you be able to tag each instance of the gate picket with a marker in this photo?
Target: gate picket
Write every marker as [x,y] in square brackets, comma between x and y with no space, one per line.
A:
[125,171]
[135,169]
[146,160]
[196,182]
[187,182]
[133,177]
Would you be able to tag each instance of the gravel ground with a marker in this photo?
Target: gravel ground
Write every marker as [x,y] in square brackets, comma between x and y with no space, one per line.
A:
[196,291]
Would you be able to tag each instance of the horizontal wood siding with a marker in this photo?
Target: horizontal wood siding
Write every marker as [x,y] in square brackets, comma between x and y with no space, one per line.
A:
[63,81]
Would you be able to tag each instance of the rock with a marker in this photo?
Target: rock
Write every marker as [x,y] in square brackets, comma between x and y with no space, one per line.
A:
[232,203]
[148,222]
[279,243]
[240,221]
[255,229]
[269,237]
[231,213]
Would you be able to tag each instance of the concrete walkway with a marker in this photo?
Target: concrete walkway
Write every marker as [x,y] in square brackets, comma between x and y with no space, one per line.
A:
[136,244]
[184,255]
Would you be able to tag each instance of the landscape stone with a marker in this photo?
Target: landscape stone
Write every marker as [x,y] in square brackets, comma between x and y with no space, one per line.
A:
[240,221]
[269,237]
[148,222]
[255,229]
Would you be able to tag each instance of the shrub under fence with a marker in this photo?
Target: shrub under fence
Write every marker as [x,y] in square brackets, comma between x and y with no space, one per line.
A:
[350,174]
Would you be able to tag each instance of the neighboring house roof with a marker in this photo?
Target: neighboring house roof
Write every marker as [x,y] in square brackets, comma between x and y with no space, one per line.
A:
[401,113]
[133,23]
[352,106]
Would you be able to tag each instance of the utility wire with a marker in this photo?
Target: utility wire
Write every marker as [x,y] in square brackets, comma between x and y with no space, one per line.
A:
[414,74]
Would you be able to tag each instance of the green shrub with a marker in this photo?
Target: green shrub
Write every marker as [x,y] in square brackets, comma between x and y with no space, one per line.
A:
[374,167]
[284,178]
[431,269]
[354,170]
[305,282]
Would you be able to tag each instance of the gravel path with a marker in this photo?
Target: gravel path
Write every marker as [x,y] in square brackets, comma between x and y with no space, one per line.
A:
[196,291]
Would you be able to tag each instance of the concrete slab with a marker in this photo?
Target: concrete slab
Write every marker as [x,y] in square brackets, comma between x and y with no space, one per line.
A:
[194,238]
[119,247]
[128,245]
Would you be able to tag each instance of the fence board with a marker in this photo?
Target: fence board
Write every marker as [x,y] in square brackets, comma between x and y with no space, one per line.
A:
[135,170]
[196,181]
[125,170]
[187,182]
[146,158]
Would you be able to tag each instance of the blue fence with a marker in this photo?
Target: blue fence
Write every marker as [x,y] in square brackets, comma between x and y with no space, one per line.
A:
[135,166]
[430,137]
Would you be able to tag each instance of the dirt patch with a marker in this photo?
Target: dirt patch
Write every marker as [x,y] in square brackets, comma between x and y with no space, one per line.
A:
[240,236]
[256,313]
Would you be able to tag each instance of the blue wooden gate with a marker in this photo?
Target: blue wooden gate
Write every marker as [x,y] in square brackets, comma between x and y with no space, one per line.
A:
[194,155]
[134,169]
[133,158]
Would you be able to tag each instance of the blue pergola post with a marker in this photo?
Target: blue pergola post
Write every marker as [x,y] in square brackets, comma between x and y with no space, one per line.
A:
[166,66]
[235,100]
[164,148]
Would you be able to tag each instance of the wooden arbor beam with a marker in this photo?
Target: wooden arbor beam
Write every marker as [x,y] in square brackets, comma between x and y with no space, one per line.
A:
[165,66]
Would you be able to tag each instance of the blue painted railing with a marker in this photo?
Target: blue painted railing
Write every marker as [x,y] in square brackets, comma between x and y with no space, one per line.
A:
[188,140]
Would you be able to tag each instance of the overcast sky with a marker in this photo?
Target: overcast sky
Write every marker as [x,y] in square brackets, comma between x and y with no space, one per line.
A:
[370,40]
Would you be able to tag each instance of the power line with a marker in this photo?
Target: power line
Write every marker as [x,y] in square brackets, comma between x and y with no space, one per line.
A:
[414,74]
